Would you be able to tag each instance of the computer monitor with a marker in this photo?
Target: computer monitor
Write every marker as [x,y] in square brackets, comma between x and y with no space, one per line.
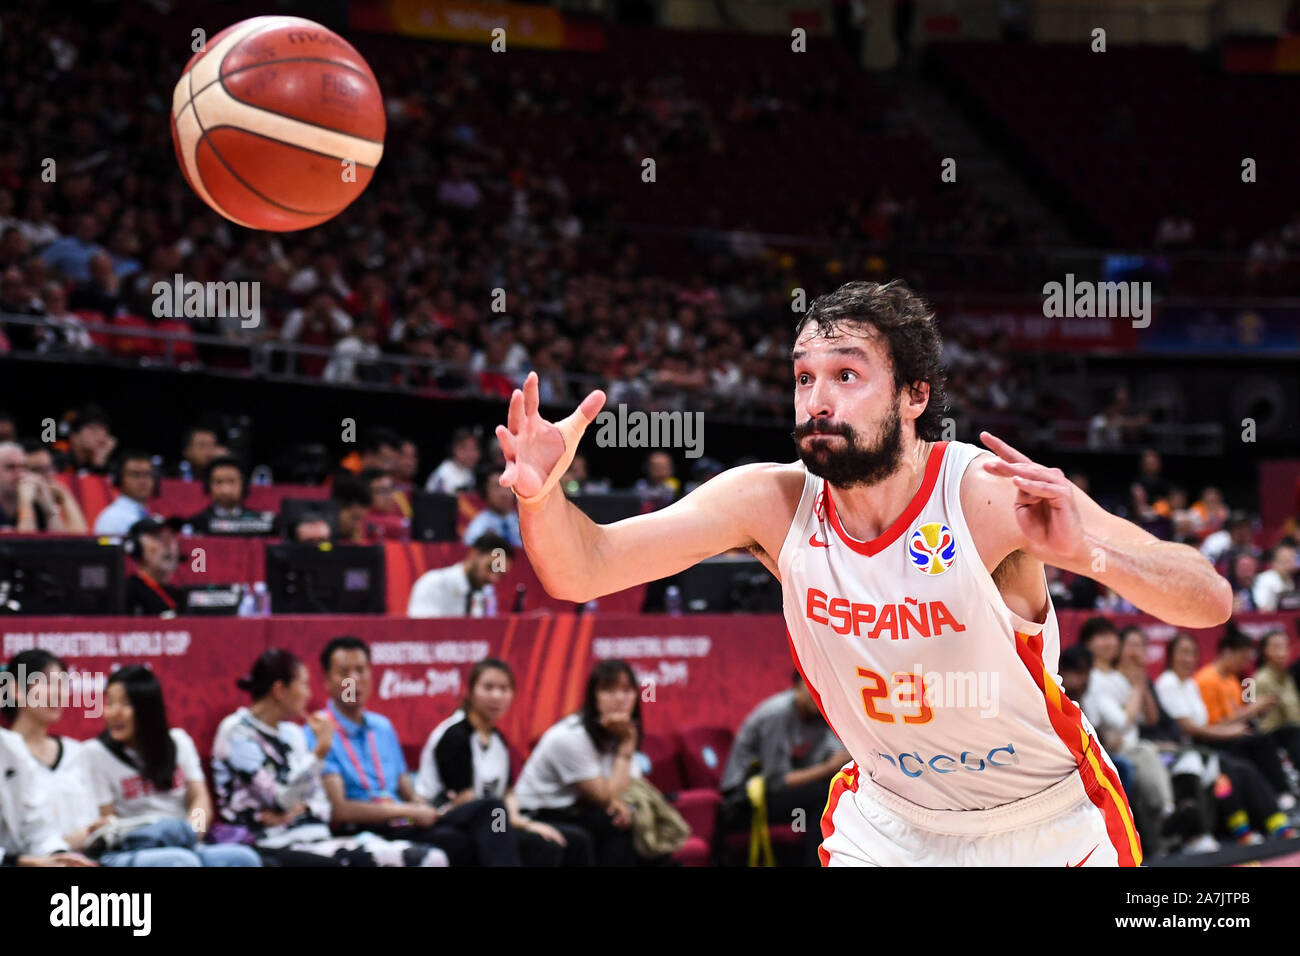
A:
[326,579]
[719,585]
[61,576]
[434,517]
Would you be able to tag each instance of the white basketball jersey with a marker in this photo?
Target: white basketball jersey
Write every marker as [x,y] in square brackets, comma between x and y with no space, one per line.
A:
[937,689]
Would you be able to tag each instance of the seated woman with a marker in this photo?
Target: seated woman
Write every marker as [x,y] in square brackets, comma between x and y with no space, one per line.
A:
[29,832]
[144,771]
[1245,799]
[1281,722]
[581,767]
[467,758]
[1114,703]
[60,761]
[268,782]
[1192,822]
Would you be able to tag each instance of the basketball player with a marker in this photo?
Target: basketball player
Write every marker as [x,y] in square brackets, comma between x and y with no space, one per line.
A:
[912,570]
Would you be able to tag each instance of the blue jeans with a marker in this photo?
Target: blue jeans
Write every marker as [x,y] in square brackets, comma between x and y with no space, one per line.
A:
[205,854]
[174,843]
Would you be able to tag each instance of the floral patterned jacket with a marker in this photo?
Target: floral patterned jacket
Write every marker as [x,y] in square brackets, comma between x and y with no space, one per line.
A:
[257,768]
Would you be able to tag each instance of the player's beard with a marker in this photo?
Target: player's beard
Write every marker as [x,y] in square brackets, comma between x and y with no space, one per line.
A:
[855,463]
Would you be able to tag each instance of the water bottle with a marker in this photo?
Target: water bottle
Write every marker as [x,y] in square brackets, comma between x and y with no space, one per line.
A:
[673,600]
[186,470]
[247,602]
[520,593]
[489,601]
[261,599]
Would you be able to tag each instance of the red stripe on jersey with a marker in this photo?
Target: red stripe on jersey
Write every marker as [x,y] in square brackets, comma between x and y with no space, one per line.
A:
[1099,781]
[892,533]
[845,781]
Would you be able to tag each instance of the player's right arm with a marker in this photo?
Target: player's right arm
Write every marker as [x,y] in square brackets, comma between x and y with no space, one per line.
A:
[577,559]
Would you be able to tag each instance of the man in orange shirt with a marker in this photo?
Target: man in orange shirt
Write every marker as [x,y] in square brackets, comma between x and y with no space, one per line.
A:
[1220,683]
[1220,680]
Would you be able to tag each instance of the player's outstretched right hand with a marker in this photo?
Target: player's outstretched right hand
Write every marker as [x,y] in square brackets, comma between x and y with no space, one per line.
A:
[538,452]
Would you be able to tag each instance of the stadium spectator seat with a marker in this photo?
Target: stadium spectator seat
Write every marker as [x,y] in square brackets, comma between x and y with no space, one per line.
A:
[1132,153]
[704,753]
[125,345]
[660,752]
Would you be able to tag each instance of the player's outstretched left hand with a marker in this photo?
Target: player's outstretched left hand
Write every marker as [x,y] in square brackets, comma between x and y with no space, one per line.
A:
[1045,506]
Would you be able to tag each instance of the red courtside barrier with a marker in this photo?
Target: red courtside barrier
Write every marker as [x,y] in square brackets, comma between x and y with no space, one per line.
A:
[696,670]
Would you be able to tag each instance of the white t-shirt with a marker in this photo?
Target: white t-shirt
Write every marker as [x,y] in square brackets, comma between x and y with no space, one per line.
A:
[1181,698]
[1268,587]
[564,756]
[449,478]
[1108,694]
[25,827]
[67,787]
[114,781]
[1216,544]
[443,592]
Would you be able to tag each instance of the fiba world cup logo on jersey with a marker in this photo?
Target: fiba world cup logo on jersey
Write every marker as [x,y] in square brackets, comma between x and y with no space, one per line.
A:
[932,548]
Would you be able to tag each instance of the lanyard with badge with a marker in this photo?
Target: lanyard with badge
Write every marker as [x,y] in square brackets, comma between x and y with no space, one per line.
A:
[356,764]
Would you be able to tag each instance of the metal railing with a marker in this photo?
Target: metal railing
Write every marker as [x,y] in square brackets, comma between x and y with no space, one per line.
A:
[769,407]
[274,359]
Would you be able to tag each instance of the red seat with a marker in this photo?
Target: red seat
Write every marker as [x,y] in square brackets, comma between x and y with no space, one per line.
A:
[411,753]
[694,853]
[703,754]
[131,346]
[183,349]
[665,771]
[94,317]
[700,810]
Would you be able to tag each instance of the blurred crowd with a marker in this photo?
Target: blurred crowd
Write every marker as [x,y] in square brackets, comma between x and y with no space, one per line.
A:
[400,289]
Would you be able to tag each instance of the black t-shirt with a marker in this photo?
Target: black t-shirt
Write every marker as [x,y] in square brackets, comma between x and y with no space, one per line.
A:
[1155,487]
[150,599]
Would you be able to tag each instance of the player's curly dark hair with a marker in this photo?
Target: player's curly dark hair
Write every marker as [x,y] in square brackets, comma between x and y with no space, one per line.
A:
[906,322]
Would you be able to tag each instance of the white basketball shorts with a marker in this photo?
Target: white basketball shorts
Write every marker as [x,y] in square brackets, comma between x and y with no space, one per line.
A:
[1083,820]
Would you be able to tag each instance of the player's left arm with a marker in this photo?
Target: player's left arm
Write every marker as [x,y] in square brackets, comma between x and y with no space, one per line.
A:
[1053,521]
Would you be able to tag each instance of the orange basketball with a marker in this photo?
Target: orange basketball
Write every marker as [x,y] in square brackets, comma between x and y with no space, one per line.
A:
[278,123]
